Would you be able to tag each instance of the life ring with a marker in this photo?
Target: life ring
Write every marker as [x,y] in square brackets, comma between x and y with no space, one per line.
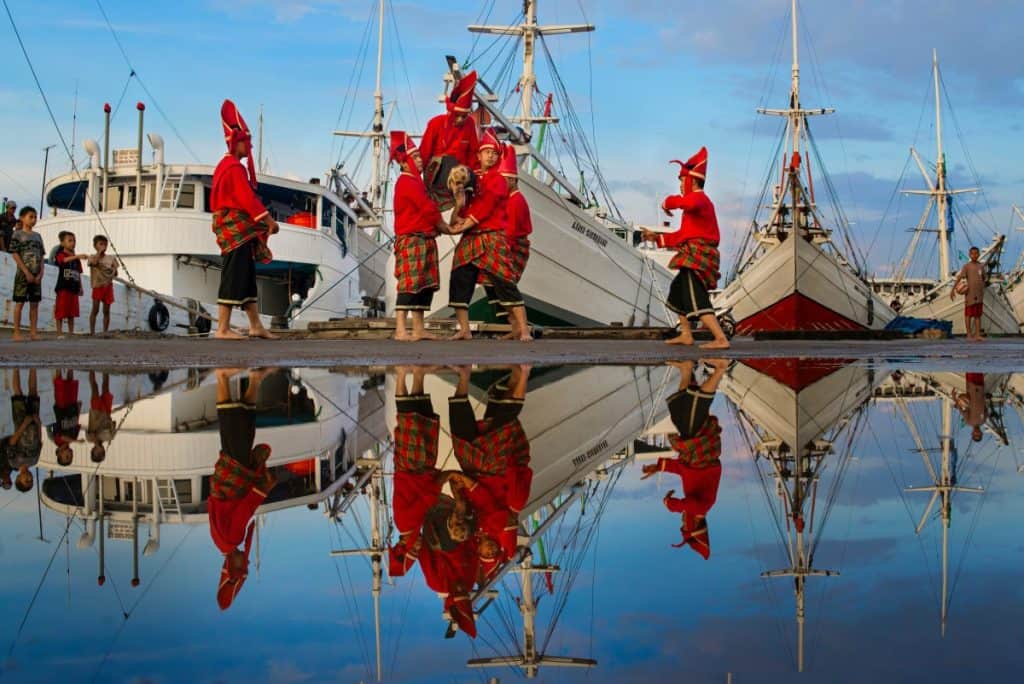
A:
[159,317]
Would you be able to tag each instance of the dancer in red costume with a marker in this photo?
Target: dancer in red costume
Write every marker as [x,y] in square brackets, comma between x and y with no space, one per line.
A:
[449,140]
[241,224]
[483,249]
[698,447]
[697,258]
[417,223]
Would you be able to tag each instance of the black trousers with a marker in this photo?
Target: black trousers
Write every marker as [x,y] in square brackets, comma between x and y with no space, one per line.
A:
[238,277]
[689,410]
[688,297]
[463,282]
[237,424]
[414,301]
[419,404]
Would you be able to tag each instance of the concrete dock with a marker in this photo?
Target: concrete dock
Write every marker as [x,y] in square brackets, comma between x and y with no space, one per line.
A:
[143,353]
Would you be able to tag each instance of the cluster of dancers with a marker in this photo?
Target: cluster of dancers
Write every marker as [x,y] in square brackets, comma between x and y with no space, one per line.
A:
[458,181]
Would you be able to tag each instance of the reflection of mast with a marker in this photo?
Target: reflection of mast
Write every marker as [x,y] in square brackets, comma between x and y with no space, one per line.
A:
[943,485]
[530,660]
[796,474]
[374,472]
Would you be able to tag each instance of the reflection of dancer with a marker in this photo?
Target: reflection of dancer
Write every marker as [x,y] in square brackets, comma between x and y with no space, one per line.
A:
[239,484]
[494,454]
[698,446]
[972,404]
[66,412]
[417,483]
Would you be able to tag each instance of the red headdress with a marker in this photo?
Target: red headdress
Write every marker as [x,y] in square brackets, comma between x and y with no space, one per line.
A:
[232,579]
[509,164]
[695,535]
[694,167]
[460,608]
[401,146]
[460,99]
[489,139]
[235,131]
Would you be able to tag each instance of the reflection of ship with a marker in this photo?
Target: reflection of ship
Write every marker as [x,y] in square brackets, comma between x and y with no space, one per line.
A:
[790,274]
[907,388]
[158,466]
[927,298]
[793,414]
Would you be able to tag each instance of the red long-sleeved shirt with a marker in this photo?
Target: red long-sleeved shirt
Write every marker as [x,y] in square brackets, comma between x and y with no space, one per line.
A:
[415,212]
[699,220]
[519,224]
[442,138]
[488,206]
[700,487]
[231,190]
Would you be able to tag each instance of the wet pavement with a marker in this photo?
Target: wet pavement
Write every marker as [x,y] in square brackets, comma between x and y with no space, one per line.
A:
[769,519]
[135,353]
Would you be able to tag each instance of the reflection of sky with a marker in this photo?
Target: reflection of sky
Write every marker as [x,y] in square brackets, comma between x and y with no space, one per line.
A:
[646,611]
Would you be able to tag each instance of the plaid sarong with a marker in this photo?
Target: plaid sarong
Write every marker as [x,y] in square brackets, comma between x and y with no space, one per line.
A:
[701,257]
[232,480]
[233,228]
[519,253]
[416,442]
[703,449]
[488,250]
[416,267]
[494,450]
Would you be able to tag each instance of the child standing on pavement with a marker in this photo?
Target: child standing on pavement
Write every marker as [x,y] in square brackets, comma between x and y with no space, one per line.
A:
[69,283]
[973,275]
[28,251]
[102,271]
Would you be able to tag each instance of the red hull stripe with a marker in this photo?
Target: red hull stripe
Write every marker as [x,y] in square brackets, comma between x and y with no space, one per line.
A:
[796,312]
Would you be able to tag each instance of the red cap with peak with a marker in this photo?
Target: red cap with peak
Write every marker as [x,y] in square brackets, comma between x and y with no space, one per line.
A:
[695,535]
[489,139]
[401,146]
[509,164]
[694,167]
[460,99]
[236,131]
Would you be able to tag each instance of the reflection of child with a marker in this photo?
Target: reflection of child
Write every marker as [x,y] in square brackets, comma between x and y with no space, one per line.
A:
[25,445]
[101,425]
[66,411]
[5,466]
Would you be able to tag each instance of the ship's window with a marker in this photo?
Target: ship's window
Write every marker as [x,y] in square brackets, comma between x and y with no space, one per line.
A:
[184,489]
[327,213]
[115,195]
[187,199]
[341,224]
[129,200]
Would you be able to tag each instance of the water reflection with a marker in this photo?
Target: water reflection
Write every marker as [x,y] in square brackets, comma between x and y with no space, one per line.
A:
[506,517]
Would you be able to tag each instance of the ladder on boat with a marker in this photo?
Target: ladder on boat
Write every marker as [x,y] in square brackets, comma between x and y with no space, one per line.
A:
[167,498]
[170,190]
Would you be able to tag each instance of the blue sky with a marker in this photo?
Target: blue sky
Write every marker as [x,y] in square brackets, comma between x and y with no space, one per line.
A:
[667,78]
[646,611]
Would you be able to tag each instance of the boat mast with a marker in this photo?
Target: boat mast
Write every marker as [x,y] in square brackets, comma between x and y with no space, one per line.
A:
[942,199]
[378,118]
[529,31]
[795,118]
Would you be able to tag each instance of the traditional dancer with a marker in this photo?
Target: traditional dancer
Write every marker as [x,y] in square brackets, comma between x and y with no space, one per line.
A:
[239,484]
[518,227]
[697,258]
[242,225]
[484,249]
[417,223]
[449,140]
[698,447]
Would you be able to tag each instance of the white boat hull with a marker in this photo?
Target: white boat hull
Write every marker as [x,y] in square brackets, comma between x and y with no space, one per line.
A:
[797,286]
[997,319]
[579,273]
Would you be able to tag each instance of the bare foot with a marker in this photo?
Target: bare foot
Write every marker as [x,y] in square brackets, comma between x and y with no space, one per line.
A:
[263,334]
[681,339]
[17,337]
[716,344]
[508,336]
[525,337]
[227,335]
[35,337]
[401,337]
[462,336]
[417,337]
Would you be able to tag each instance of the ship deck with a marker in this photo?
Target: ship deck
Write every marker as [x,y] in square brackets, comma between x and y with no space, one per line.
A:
[128,353]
